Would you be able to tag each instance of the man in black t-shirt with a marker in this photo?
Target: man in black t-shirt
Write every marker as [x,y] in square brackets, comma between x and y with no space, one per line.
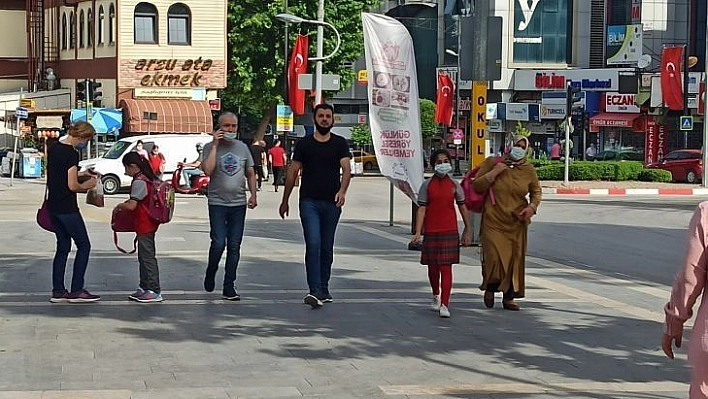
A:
[258,153]
[322,193]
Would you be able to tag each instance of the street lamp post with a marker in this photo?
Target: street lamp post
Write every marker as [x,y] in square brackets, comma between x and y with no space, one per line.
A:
[457,171]
[320,50]
[289,18]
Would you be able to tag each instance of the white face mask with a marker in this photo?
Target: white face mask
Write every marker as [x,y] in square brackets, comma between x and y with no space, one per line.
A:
[442,169]
[517,153]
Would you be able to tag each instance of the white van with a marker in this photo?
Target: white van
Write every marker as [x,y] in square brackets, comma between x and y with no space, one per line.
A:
[175,147]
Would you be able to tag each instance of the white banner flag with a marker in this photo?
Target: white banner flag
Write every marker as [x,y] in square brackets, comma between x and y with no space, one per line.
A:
[394,114]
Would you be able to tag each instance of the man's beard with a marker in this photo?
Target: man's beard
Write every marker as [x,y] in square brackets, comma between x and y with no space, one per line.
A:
[322,129]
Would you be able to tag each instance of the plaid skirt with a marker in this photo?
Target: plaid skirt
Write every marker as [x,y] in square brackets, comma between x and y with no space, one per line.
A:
[440,248]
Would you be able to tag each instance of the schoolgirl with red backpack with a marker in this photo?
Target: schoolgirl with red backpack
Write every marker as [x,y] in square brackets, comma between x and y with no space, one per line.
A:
[138,209]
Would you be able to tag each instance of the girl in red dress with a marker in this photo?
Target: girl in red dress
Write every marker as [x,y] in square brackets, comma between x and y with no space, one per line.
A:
[437,217]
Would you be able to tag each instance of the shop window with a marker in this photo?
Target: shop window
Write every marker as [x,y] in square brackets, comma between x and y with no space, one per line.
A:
[145,23]
[111,24]
[101,24]
[89,31]
[72,31]
[63,32]
[178,24]
[82,26]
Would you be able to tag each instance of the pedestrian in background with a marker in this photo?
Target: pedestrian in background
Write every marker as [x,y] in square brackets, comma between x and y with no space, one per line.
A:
[62,185]
[690,283]
[258,154]
[555,151]
[591,153]
[278,159]
[157,161]
[141,150]
[505,223]
[229,164]
[436,216]
[323,190]
[140,192]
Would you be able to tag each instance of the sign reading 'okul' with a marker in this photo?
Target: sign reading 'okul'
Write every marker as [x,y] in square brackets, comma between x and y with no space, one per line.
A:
[179,73]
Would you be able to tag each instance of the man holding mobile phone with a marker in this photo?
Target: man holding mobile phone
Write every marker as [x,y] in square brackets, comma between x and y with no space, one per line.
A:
[229,164]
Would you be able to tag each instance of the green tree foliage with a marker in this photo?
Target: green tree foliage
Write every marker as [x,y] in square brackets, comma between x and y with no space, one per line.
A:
[428,126]
[361,134]
[256,49]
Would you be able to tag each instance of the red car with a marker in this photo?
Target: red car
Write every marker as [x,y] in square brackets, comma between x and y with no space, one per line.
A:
[684,165]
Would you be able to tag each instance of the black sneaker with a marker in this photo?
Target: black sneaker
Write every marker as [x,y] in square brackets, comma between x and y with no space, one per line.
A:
[326,298]
[313,301]
[230,294]
[209,283]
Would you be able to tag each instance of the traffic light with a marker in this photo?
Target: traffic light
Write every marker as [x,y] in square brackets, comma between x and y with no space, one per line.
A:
[80,90]
[572,96]
[94,92]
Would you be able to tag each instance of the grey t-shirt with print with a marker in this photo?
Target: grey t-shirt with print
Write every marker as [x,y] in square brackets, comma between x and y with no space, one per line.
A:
[227,184]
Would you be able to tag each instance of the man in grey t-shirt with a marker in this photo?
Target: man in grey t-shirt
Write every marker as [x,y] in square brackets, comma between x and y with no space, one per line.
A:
[229,164]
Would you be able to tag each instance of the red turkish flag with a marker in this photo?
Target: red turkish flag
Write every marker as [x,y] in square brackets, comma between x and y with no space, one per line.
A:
[444,101]
[671,80]
[297,66]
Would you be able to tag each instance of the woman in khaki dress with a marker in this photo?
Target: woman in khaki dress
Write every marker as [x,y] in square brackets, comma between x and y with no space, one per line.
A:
[505,221]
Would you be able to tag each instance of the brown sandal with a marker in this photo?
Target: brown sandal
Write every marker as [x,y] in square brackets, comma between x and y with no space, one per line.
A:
[489,299]
[511,305]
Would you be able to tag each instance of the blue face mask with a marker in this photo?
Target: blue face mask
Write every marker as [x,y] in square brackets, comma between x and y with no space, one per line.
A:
[81,146]
[443,169]
[517,153]
[230,136]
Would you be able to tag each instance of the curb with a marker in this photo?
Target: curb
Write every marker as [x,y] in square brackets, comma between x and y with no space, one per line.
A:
[626,191]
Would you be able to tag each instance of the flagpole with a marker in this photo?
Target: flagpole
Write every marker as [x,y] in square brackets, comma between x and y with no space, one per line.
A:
[704,149]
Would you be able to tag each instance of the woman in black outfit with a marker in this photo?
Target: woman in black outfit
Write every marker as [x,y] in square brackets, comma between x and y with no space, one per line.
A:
[63,184]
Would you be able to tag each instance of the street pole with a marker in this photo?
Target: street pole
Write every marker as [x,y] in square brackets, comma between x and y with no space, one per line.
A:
[705,122]
[457,101]
[390,204]
[441,33]
[568,121]
[320,51]
[17,138]
[686,111]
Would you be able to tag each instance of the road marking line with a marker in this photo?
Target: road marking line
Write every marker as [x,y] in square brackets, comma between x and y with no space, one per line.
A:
[633,311]
[658,291]
[541,388]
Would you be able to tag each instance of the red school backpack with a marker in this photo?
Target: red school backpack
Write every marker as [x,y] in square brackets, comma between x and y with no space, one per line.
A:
[474,201]
[160,202]
[160,207]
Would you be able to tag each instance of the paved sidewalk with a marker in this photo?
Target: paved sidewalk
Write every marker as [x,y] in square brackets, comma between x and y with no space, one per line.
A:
[621,188]
[576,337]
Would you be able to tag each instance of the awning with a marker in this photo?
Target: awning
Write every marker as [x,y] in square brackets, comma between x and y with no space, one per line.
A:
[173,116]
[612,119]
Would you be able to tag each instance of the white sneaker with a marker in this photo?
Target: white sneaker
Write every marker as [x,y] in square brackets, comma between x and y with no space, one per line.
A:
[444,311]
[435,306]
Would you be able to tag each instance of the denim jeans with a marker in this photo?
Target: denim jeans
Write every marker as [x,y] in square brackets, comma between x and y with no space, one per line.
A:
[226,223]
[67,227]
[188,173]
[319,223]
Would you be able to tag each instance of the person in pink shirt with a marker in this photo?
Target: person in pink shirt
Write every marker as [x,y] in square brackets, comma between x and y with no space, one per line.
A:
[690,283]
[555,151]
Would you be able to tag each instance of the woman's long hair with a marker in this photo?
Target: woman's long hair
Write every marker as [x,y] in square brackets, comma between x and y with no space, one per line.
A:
[133,158]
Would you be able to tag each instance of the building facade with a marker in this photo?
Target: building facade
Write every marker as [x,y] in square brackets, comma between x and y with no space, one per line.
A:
[157,60]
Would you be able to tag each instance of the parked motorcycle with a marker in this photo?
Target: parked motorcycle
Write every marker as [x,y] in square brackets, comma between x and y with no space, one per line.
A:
[197,184]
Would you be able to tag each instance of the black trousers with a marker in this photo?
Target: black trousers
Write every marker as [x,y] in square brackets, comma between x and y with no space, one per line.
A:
[259,174]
